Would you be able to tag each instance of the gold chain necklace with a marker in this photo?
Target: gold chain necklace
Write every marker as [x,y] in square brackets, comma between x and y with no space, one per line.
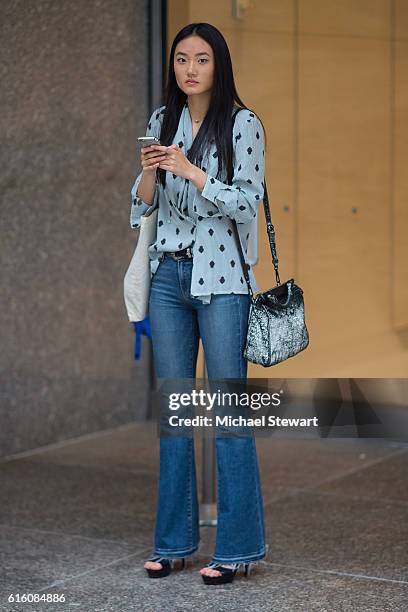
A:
[195,120]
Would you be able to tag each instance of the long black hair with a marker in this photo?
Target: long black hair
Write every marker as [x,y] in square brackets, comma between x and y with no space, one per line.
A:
[217,124]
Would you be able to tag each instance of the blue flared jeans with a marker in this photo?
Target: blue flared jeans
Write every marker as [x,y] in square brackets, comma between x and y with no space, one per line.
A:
[177,321]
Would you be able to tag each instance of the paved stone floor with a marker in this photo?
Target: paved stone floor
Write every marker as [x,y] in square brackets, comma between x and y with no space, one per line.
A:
[77,519]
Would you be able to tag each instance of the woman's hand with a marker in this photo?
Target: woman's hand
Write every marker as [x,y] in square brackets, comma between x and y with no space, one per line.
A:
[151,156]
[172,159]
[176,162]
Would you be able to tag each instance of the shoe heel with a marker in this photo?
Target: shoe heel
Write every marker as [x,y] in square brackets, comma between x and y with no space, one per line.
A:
[173,562]
[247,569]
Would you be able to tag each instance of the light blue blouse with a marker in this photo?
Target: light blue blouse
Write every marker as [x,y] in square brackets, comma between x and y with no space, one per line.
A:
[203,220]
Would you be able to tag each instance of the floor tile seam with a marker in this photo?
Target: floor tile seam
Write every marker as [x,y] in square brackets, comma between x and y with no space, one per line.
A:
[385,500]
[84,465]
[337,573]
[364,466]
[87,466]
[69,442]
[311,490]
[337,477]
[65,535]
[91,436]
[63,581]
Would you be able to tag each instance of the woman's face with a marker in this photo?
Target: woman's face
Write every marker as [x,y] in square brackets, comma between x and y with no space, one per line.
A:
[194,59]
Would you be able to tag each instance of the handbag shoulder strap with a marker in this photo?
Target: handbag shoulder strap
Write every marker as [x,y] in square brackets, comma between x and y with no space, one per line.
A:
[269,228]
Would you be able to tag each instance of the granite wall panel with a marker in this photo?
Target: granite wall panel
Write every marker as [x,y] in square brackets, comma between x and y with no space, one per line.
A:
[73,100]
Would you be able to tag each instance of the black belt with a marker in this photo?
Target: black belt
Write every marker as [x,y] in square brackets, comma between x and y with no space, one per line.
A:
[183,254]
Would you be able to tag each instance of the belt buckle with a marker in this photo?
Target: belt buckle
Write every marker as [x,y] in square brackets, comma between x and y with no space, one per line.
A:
[186,254]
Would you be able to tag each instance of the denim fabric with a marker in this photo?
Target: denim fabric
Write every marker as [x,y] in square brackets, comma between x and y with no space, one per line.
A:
[177,321]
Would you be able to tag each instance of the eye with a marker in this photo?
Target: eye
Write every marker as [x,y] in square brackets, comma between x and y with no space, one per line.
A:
[201,59]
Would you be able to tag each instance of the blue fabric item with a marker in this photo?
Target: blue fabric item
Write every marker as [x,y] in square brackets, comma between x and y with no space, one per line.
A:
[142,328]
[177,321]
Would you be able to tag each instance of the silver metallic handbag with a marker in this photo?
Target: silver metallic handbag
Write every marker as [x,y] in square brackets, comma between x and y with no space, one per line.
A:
[276,320]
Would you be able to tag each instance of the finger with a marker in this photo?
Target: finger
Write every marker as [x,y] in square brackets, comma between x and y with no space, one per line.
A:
[148,148]
[168,162]
[153,162]
[154,156]
[167,168]
[156,147]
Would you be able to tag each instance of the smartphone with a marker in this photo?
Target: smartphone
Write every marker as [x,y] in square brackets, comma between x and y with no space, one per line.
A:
[145,141]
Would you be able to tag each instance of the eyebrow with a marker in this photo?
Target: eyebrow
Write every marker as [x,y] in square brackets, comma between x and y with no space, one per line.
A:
[201,53]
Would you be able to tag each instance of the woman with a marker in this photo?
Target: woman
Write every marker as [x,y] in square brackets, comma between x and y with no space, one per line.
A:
[205,174]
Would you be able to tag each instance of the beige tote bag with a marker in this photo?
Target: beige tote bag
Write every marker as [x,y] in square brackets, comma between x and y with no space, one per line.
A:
[136,284]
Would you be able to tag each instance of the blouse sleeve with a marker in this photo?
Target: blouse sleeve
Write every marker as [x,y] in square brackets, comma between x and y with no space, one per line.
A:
[240,200]
[138,206]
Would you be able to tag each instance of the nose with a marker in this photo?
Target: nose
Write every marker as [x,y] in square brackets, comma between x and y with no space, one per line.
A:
[190,70]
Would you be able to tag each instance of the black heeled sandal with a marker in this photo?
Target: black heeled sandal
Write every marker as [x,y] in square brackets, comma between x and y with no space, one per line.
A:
[227,573]
[166,566]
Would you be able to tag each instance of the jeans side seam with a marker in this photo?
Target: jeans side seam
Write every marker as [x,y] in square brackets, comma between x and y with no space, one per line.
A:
[258,494]
[190,496]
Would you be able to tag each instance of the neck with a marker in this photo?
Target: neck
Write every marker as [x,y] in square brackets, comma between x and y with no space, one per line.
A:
[198,105]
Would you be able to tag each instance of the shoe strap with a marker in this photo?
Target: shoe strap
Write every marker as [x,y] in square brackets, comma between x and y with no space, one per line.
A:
[158,559]
[219,566]
[235,566]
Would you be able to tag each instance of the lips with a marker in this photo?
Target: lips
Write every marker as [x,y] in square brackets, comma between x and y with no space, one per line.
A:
[192,82]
